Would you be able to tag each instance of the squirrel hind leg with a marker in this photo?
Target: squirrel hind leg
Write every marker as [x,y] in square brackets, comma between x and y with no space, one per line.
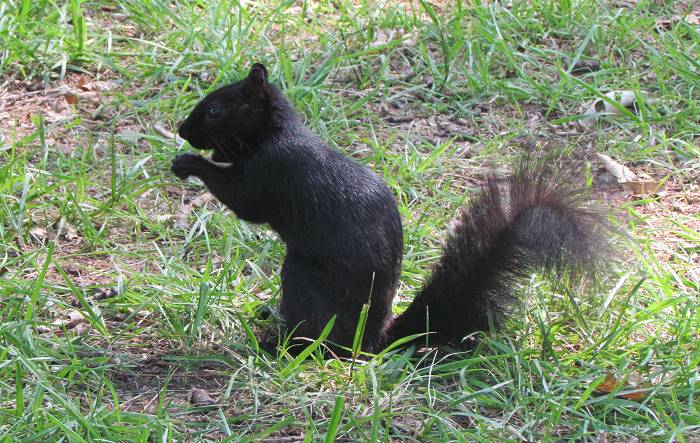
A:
[312,293]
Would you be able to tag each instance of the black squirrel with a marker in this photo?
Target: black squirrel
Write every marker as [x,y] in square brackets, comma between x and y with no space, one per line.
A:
[343,231]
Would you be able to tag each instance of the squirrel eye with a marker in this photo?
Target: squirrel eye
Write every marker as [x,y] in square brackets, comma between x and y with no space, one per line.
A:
[214,112]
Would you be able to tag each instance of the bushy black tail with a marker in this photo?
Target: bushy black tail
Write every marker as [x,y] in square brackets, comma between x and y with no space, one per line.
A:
[538,218]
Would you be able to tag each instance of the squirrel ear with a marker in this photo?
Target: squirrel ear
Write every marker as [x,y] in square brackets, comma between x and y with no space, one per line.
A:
[258,75]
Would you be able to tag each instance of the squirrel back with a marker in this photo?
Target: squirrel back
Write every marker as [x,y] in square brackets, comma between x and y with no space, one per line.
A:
[343,231]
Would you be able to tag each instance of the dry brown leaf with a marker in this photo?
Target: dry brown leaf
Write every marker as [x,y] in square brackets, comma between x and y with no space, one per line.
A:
[583,66]
[39,234]
[81,328]
[70,98]
[644,187]
[608,385]
[635,185]
[106,293]
[76,318]
[620,172]
[611,384]
[85,84]
[70,234]
[60,105]
[92,97]
[63,231]
[200,397]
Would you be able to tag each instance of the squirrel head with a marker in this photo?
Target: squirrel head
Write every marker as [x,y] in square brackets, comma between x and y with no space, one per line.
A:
[232,116]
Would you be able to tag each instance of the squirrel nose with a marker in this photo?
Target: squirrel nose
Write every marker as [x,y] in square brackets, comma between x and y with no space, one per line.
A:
[183,130]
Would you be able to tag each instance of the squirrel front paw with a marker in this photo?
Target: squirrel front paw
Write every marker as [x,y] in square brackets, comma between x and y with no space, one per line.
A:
[184,165]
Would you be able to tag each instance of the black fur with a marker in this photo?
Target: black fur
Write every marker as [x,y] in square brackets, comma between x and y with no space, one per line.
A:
[343,231]
[538,218]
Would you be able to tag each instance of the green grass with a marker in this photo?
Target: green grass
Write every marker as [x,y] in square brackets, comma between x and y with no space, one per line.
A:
[87,202]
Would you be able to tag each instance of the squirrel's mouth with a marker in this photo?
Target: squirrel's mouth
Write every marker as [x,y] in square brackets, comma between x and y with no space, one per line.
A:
[219,156]
[194,140]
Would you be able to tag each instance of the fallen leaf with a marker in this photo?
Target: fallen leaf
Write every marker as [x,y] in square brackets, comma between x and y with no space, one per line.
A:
[81,328]
[92,97]
[142,314]
[60,322]
[584,66]
[61,104]
[200,397]
[636,395]
[120,316]
[644,187]
[399,119]
[174,191]
[65,231]
[76,318]
[624,3]
[162,218]
[60,110]
[608,385]
[623,99]
[622,173]
[611,384]
[384,37]
[39,234]
[70,98]
[152,361]
[106,293]
[84,84]
[637,186]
